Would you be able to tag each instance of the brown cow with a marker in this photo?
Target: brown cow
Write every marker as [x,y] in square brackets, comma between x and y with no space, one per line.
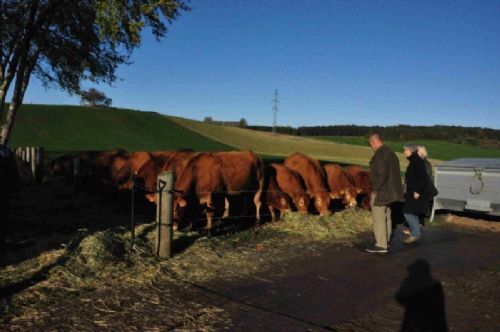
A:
[173,161]
[201,183]
[124,166]
[341,186]
[243,173]
[275,198]
[62,166]
[291,183]
[314,178]
[362,183]
[97,164]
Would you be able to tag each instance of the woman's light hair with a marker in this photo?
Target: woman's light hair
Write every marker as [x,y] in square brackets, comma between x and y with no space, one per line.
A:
[410,147]
[422,151]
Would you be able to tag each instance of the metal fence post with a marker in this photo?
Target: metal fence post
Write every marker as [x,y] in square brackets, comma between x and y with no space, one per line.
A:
[164,234]
[132,214]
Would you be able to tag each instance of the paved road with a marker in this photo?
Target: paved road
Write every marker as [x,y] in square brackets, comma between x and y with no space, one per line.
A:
[344,282]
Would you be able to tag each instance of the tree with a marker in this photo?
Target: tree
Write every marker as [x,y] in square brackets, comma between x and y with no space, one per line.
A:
[94,98]
[243,123]
[64,42]
[208,119]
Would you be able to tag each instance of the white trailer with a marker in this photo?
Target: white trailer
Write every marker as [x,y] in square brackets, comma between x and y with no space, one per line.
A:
[468,184]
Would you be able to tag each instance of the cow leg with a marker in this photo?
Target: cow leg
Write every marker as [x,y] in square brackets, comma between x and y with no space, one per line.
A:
[226,208]
[257,203]
[210,213]
[273,214]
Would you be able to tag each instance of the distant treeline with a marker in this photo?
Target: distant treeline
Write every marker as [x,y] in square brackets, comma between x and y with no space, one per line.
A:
[399,132]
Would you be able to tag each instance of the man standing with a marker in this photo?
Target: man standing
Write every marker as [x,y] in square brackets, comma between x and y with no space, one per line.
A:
[387,188]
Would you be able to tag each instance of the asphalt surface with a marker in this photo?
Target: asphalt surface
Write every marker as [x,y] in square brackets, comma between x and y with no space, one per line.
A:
[317,293]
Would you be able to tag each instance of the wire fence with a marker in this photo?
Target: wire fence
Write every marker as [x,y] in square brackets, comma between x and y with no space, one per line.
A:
[138,187]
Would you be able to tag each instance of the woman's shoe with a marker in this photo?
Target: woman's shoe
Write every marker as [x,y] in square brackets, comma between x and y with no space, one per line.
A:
[411,239]
[406,231]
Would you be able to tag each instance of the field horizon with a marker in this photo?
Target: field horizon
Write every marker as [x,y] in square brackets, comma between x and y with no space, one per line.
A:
[73,128]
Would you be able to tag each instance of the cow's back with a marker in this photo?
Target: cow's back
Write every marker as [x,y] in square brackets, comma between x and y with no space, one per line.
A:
[291,183]
[309,169]
[360,178]
[241,171]
[338,179]
[314,178]
[201,175]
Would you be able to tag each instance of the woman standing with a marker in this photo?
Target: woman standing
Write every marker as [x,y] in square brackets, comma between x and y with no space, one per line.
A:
[416,196]
[422,152]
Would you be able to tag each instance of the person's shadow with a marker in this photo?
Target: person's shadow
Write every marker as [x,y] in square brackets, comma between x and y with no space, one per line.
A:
[422,297]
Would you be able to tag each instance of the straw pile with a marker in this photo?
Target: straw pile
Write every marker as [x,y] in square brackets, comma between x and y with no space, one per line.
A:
[102,262]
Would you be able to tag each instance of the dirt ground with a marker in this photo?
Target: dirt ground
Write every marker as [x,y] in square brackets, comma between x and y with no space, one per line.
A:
[472,223]
[44,220]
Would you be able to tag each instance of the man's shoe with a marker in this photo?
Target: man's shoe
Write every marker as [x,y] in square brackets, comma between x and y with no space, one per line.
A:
[411,239]
[377,249]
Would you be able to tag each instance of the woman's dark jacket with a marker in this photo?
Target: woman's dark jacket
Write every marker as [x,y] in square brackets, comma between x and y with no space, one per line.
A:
[416,180]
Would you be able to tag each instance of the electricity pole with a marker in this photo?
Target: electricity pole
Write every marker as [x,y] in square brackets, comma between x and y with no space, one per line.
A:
[276,103]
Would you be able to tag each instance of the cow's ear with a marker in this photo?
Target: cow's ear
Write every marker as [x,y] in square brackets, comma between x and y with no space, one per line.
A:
[359,191]
[182,202]
[301,202]
[334,195]
[283,201]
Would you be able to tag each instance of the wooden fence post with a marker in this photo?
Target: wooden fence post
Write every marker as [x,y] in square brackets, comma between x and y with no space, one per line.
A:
[33,162]
[40,154]
[164,204]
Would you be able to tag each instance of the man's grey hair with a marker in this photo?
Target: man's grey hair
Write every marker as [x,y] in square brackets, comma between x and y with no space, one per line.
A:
[411,147]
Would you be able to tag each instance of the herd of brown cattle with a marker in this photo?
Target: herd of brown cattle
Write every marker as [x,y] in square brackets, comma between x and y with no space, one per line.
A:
[212,180]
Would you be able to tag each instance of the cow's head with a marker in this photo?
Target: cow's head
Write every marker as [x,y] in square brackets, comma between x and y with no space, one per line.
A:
[180,207]
[349,195]
[303,203]
[322,202]
[284,203]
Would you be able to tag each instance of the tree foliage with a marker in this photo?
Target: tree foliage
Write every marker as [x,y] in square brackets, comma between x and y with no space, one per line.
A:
[401,132]
[94,98]
[64,42]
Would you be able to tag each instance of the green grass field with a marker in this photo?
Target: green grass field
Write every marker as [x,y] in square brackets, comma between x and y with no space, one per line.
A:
[74,128]
[440,150]
[279,145]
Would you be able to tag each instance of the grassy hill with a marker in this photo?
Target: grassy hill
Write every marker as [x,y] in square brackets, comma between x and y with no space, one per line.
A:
[279,145]
[73,128]
[437,149]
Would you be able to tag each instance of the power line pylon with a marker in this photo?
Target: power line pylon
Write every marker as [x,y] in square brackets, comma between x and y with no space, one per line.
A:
[276,102]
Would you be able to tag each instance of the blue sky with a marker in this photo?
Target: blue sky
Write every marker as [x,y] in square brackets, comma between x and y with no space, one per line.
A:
[333,62]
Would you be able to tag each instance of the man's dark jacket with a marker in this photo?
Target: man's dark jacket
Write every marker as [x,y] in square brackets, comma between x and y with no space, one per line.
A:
[386,176]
